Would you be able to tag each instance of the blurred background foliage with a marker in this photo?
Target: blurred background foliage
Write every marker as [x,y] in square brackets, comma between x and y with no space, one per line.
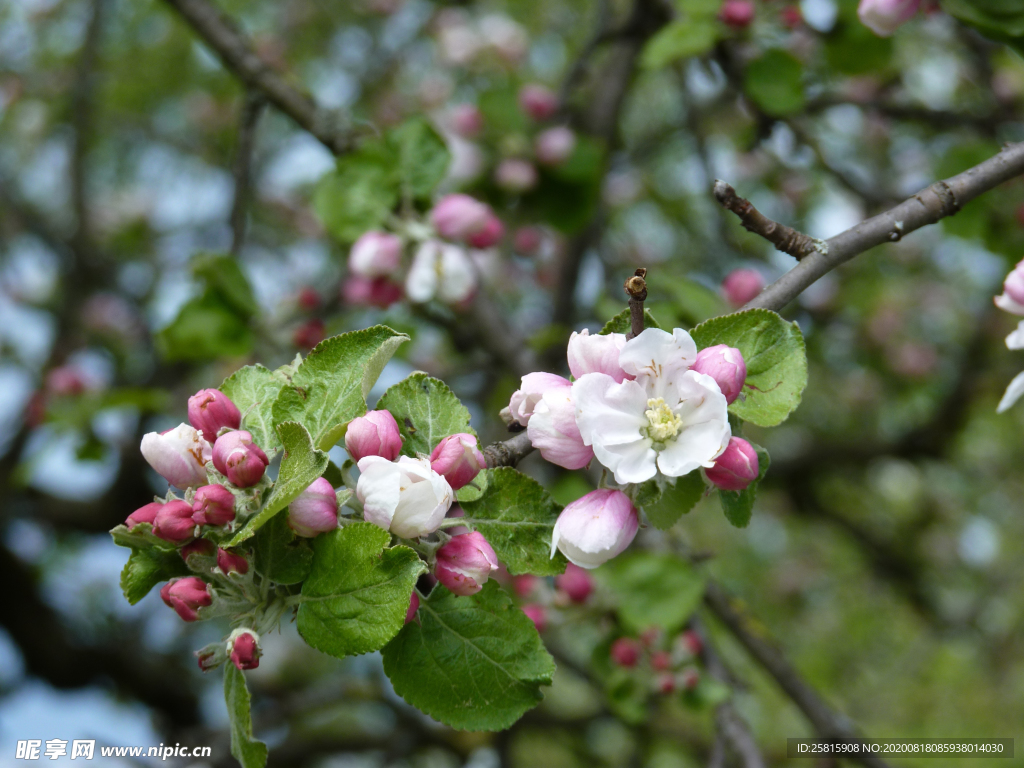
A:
[159,228]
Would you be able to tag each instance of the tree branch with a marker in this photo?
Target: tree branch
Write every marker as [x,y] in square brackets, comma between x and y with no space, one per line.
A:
[240,58]
[508,453]
[636,289]
[251,111]
[785,239]
[827,723]
[943,198]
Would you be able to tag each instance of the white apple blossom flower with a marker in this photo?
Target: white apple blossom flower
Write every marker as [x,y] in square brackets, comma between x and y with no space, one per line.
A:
[179,454]
[440,270]
[405,497]
[669,419]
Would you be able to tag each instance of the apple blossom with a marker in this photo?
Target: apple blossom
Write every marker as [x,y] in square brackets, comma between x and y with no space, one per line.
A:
[465,563]
[726,366]
[883,17]
[405,497]
[595,528]
[414,605]
[186,596]
[467,120]
[553,430]
[213,505]
[315,510]
[244,649]
[210,410]
[555,145]
[538,101]
[236,456]
[737,14]
[174,522]
[515,175]
[375,434]
[440,270]
[736,468]
[661,661]
[378,292]
[231,562]
[457,216]
[669,419]
[742,285]
[537,615]
[375,254]
[531,389]
[490,234]
[179,455]
[576,583]
[596,354]
[625,652]
[144,514]
[458,459]
[1012,298]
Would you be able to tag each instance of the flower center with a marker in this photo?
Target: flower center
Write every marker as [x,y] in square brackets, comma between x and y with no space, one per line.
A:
[663,424]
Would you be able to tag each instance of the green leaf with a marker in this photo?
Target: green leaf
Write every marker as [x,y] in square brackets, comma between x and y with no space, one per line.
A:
[775,83]
[148,567]
[254,389]
[516,516]
[653,590]
[621,323]
[244,748]
[329,388]
[776,362]
[139,537]
[360,193]
[357,593]
[474,663]
[675,501]
[426,410]
[206,328]
[679,40]
[280,555]
[301,465]
[223,275]
[739,505]
[423,156]
[1001,20]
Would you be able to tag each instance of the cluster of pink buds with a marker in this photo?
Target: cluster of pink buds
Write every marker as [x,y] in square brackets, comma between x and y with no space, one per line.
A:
[670,665]
[542,604]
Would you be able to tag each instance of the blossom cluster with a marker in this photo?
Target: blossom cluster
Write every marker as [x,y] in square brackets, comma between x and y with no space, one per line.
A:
[221,473]
[647,408]
[1012,300]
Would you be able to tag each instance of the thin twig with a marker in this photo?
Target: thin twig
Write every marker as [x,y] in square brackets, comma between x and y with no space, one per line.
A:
[508,453]
[827,723]
[82,115]
[636,289]
[943,198]
[241,59]
[251,111]
[786,239]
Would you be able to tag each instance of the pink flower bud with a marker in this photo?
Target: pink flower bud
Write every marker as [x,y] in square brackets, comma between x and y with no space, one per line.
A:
[375,434]
[531,389]
[209,410]
[553,430]
[230,562]
[625,652]
[515,175]
[596,354]
[883,17]
[491,233]
[315,510]
[555,145]
[690,678]
[524,584]
[458,459]
[594,529]
[213,505]
[665,683]
[737,14]
[736,467]
[457,216]
[467,121]
[174,522]
[244,649]
[725,365]
[576,583]
[690,642]
[65,381]
[308,298]
[742,285]
[538,101]
[186,596]
[537,615]
[237,457]
[375,254]
[465,563]
[791,16]
[364,292]
[1012,299]
[179,455]
[146,514]
[651,636]
[661,661]
[414,605]
[201,547]
[528,240]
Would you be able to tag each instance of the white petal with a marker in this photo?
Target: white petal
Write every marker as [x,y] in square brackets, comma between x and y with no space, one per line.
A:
[379,490]
[606,412]
[656,355]
[458,275]
[1016,339]
[1013,393]
[421,282]
[632,462]
[1007,304]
